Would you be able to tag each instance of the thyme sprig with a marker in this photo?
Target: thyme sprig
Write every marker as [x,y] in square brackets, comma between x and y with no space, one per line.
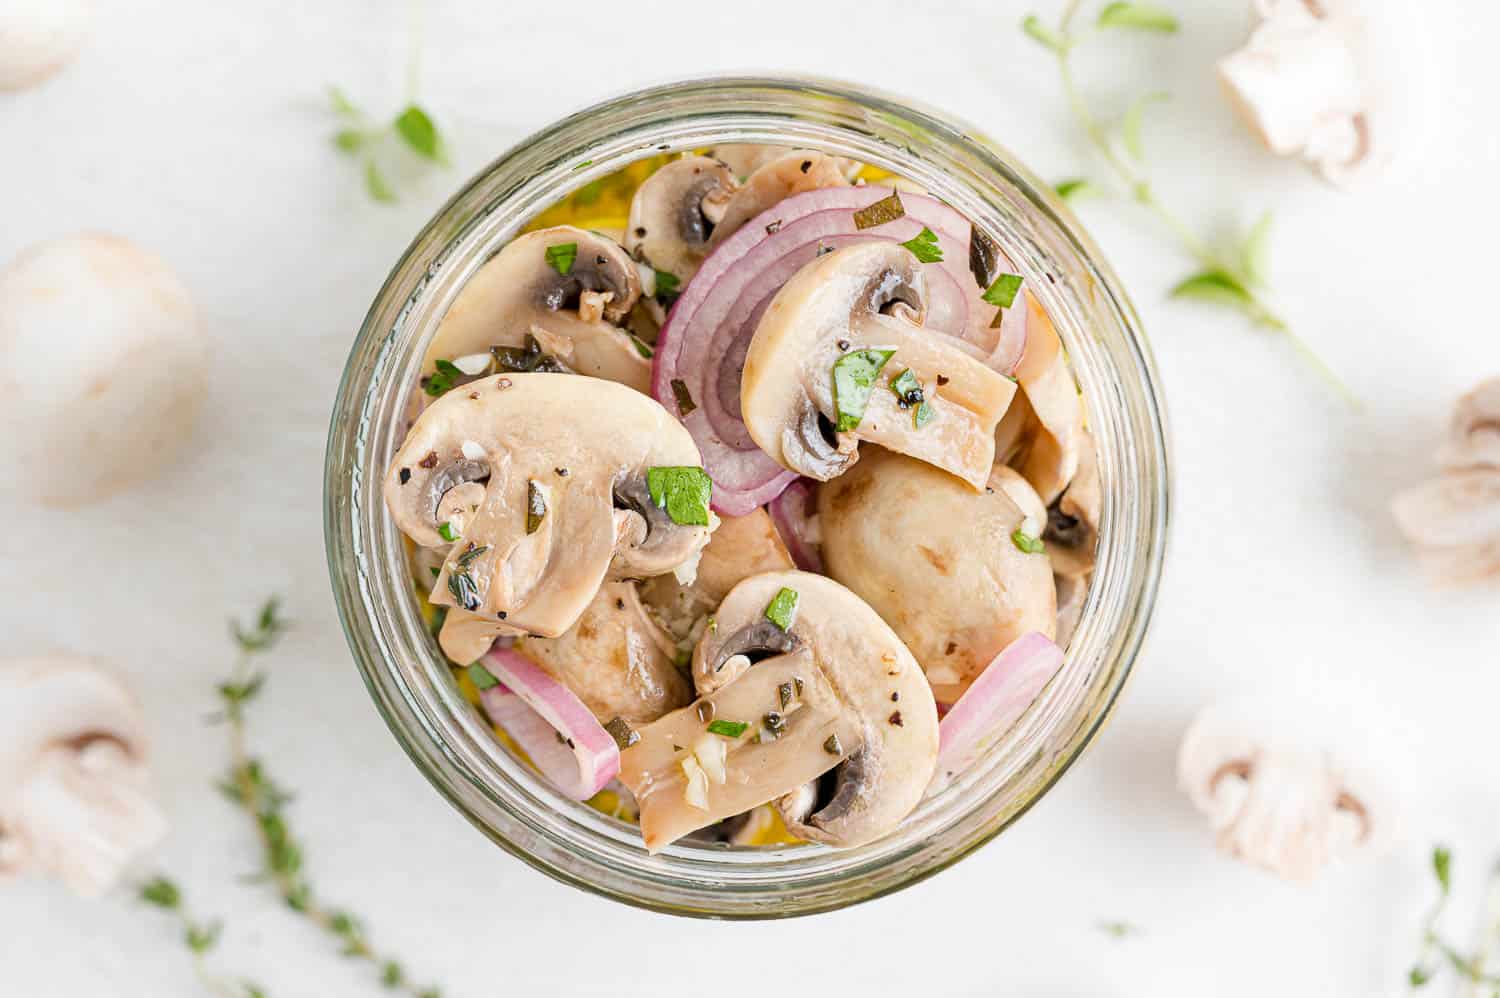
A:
[1232,278]
[363,137]
[1435,952]
[199,936]
[251,787]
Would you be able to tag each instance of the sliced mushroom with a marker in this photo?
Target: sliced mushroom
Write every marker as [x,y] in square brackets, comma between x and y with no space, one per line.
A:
[868,296]
[835,691]
[563,462]
[1279,797]
[615,659]
[674,212]
[939,563]
[1050,459]
[1072,538]
[75,792]
[774,181]
[524,311]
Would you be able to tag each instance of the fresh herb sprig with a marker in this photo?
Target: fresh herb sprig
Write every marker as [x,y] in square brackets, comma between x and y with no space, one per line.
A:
[364,137]
[1232,278]
[250,787]
[199,936]
[1435,952]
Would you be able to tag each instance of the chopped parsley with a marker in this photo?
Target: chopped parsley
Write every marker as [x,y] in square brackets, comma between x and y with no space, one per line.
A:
[667,284]
[782,610]
[561,256]
[887,209]
[536,506]
[923,415]
[528,358]
[445,531]
[481,677]
[684,492]
[924,246]
[685,403]
[443,377]
[1026,543]
[1003,291]
[908,389]
[729,729]
[641,346]
[853,377]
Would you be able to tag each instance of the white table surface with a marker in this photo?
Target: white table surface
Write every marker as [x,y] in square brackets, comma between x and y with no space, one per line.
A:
[199,130]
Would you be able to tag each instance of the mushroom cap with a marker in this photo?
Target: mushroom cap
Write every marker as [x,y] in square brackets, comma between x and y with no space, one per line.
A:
[937,562]
[674,212]
[774,181]
[836,693]
[75,796]
[38,38]
[1283,791]
[866,296]
[615,659]
[102,367]
[581,447]
[519,293]
[1474,433]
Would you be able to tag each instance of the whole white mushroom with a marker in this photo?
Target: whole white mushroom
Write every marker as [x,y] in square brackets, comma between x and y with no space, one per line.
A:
[38,38]
[102,367]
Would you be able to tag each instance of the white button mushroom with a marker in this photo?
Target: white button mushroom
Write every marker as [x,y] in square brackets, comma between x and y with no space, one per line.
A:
[675,211]
[1281,793]
[38,38]
[75,795]
[1340,83]
[102,368]
[775,180]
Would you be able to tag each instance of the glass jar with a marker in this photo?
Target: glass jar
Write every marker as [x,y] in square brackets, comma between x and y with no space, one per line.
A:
[409,678]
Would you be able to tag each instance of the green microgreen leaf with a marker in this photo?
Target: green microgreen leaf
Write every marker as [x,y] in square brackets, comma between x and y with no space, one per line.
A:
[854,377]
[375,183]
[446,532]
[561,256]
[536,506]
[481,677]
[887,209]
[1076,189]
[417,130]
[1044,35]
[924,246]
[1255,252]
[782,610]
[1003,291]
[729,729]
[1130,125]
[684,492]
[1026,543]
[1139,16]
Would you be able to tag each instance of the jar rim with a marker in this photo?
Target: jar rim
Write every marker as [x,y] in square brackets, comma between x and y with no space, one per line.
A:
[408,678]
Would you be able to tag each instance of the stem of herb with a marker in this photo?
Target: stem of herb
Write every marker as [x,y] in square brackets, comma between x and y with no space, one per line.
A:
[200,937]
[1143,193]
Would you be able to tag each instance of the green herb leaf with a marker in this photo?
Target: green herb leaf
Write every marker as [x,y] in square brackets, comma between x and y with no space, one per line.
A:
[266,629]
[349,139]
[854,376]
[561,256]
[1039,32]
[417,131]
[1076,189]
[924,246]
[462,586]
[1418,976]
[685,403]
[376,185]
[729,729]
[1140,16]
[481,677]
[445,531]
[201,938]
[1026,543]
[1256,250]
[906,385]
[684,492]
[1003,291]
[1130,125]
[444,376]
[162,893]
[391,974]
[1117,930]
[468,557]
[340,103]
[667,284]
[1215,287]
[1442,866]
[641,346]
[782,610]
[887,209]
[536,506]
[923,415]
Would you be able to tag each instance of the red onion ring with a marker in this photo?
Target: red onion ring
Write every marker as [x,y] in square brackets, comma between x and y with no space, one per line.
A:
[792,513]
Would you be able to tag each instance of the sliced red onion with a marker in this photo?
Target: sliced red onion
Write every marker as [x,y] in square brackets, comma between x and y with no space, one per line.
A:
[553,727]
[792,513]
[992,705]
[702,346]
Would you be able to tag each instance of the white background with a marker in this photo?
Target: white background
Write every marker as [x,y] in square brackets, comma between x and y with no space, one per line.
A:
[200,131]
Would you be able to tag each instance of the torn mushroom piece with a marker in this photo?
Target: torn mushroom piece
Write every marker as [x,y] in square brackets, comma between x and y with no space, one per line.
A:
[551,300]
[674,213]
[1279,797]
[75,793]
[951,571]
[776,180]
[568,481]
[832,359]
[800,679]
[1072,539]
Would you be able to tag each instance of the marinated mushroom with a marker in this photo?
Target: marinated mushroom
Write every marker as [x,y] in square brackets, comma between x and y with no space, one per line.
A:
[799,679]
[827,363]
[552,300]
[1072,538]
[943,566]
[542,485]
[1050,456]
[1279,797]
[615,659]
[675,211]
[75,793]
[773,181]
